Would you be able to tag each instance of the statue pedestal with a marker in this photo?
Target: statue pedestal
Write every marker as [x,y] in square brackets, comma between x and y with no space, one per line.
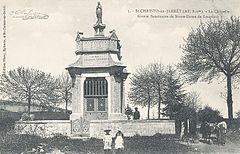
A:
[99,29]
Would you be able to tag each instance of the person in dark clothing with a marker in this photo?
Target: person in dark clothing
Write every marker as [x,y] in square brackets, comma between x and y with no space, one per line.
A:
[136,114]
[206,131]
[221,135]
[128,112]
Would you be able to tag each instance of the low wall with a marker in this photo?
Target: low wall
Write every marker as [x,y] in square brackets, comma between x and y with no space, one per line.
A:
[50,128]
[44,128]
[132,127]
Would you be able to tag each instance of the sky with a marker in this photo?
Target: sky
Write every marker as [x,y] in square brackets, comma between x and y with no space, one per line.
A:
[49,44]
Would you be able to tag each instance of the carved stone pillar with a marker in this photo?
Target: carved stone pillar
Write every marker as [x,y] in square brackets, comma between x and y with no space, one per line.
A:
[108,78]
[77,98]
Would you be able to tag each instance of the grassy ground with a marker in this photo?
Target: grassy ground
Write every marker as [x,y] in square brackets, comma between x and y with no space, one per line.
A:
[10,143]
[135,145]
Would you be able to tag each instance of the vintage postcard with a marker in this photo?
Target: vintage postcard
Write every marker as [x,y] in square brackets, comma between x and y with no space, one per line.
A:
[133,76]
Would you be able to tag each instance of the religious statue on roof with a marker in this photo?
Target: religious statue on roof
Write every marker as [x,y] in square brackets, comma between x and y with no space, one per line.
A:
[99,26]
[99,13]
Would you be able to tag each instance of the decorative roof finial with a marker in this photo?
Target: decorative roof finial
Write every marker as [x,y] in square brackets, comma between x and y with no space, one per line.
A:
[112,31]
[78,38]
[99,26]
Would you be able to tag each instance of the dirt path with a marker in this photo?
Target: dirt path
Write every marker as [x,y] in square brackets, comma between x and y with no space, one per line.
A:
[203,148]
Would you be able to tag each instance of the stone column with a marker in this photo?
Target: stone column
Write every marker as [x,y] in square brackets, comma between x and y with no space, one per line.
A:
[123,97]
[82,80]
[77,98]
[114,99]
[108,78]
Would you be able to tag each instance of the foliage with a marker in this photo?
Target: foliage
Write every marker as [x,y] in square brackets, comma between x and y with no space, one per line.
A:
[25,117]
[238,114]
[190,107]
[157,75]
[33,86]
[141,91]
[153,85]
[173,93]
[213,50]
[7,123]
[233,135]
[210,115]
[14,143]
[188,111]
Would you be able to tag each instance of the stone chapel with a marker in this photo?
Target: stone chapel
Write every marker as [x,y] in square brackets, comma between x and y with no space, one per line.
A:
[97,76]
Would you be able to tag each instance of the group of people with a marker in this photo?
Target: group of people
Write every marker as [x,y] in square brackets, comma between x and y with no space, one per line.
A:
[116,143]
[130,113]
[207,129]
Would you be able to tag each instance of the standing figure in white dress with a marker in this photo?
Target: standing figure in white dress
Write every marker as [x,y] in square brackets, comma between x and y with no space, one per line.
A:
[107,142]
[119,142]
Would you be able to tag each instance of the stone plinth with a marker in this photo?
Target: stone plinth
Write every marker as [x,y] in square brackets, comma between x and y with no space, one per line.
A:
[99,29]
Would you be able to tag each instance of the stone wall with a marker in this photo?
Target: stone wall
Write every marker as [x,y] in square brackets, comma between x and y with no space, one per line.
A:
[44,128]
[132,127]
[18,107]
[50,128]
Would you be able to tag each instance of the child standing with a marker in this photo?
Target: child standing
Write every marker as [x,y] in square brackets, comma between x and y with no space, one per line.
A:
[119,143]
[107,141]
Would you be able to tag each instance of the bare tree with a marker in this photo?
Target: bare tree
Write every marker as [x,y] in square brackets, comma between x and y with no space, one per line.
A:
[190,106]
[192,100]
[33,86]
[213,50]
[153,85]
[141,91]
[64,90]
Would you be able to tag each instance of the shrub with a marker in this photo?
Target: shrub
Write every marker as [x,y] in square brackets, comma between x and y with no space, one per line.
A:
[25,117]
[210,115]
[7,123]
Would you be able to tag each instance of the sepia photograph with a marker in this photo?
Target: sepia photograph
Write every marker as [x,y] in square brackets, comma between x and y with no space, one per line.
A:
[120,77]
